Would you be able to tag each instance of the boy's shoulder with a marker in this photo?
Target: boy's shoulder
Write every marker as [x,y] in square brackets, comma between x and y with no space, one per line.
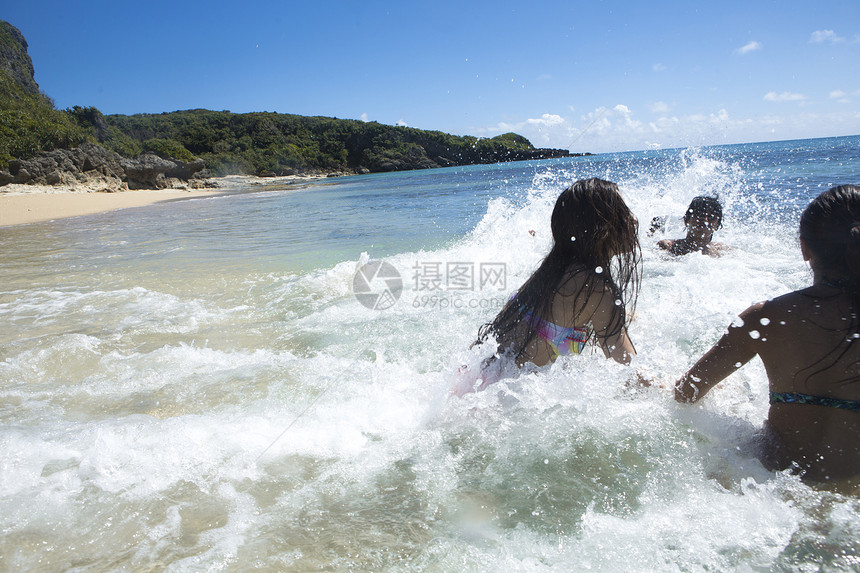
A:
[715,249]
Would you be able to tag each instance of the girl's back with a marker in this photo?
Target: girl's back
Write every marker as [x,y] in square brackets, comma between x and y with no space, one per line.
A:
[585,306]
[813,365]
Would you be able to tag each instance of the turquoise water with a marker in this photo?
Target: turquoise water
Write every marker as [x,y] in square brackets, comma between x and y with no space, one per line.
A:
[194,386]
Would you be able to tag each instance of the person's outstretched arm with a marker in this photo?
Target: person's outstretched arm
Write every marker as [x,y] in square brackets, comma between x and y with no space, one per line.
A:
[734,349]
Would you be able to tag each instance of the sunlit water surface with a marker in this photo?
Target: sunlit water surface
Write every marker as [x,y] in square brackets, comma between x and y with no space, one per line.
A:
[194,386]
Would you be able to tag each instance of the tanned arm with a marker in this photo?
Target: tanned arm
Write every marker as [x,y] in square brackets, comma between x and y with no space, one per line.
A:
[735,348]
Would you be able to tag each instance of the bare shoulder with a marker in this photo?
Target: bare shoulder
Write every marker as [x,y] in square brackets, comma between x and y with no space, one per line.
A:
[818,305]
[789,302]
[716,249]
[775,313]
[751,316]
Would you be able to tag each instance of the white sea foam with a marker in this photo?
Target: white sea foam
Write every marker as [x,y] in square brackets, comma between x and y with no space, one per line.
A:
[249,417]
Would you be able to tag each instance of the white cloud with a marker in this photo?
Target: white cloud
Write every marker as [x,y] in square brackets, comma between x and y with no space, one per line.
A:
[604,129]
[363,117]
[821,36]
[751,46]
[841,97]
[784,96]
[659,68]
[627,122]
[547,119]
[618,129]
[544,77]
[659,107]
[401,123]
[542,131]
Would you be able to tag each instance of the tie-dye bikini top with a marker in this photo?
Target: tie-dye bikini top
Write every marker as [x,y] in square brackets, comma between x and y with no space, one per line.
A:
[563,340]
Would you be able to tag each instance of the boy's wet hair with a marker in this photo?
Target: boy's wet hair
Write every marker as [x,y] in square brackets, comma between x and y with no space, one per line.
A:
[702,205]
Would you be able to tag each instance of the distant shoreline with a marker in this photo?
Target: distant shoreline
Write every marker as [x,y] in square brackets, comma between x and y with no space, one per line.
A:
[23,204]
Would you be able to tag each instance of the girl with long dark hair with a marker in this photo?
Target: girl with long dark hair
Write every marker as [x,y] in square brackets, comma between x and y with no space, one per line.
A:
[580,293]
[809,342]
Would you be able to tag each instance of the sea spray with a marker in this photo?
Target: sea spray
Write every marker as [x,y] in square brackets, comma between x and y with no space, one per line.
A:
[195,385]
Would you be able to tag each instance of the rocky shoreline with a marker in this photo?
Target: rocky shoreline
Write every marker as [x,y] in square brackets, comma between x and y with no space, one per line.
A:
[93,168]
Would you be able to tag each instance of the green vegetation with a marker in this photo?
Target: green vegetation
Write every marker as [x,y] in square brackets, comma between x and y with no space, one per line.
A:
[29,124]
[252,143]
[168,149]
[513,141]
[284,144]
[93,122]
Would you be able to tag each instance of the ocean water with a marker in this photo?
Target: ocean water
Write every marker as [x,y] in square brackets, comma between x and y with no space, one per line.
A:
[260,381]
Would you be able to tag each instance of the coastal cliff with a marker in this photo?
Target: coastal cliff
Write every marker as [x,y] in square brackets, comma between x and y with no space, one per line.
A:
[81,146]
[15,60]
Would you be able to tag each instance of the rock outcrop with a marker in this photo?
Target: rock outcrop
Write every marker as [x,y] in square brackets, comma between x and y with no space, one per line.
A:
[14,59]
[153,172]
[97,169]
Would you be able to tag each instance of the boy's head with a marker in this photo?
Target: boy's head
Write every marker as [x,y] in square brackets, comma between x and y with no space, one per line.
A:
[704,212]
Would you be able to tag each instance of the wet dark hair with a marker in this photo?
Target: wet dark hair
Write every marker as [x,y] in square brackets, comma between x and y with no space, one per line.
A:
[830,227]
[703,205]
[592,228]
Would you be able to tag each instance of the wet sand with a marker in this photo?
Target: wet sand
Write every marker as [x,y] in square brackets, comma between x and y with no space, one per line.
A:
[20,208]
[20,204]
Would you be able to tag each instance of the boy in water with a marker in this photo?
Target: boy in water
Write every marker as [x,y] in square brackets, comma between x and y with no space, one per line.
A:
[703,217]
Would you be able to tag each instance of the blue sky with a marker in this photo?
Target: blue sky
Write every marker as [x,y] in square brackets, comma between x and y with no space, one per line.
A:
[585,76]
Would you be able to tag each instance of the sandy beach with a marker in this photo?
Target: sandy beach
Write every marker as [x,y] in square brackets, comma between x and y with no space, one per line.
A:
[20,204]
[34,207]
